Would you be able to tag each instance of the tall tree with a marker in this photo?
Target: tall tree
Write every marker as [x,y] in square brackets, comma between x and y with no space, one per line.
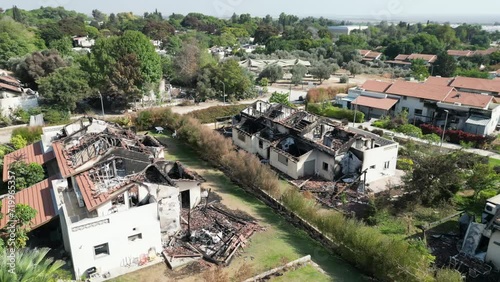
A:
[64,87]
[354,68]
[321,71]
[272,72]
[15,40]
[37,65]
[419,69]
[187,62]
[445,65]
[99,16]
[298,73]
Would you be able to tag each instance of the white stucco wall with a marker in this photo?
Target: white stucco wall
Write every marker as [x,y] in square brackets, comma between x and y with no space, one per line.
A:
[378,157]
[290,169]
[412,104]
[114,230]
[17,102]
[324,158]
[263,152]
[246,145]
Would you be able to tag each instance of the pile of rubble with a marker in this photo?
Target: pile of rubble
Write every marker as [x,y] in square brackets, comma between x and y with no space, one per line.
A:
[332,194]
[211,233]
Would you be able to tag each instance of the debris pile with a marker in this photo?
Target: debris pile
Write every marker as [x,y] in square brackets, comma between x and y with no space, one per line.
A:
[332,194]
[212,233]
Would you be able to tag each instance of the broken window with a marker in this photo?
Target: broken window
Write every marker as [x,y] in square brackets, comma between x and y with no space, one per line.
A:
[241,137]
[325,166]
[135,237]
[261,144]
[282,159]
[101,250]
[120,200]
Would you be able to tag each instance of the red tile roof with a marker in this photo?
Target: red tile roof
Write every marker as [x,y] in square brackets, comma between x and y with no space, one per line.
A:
[459,53]
[425,57]
[376,86]
[469,99]
[39,197]
[383,104]
[488,51]
[63,162]
[9,79]
[29,154]
[10,87]
[364,52]
[419,90]
[87,189]
[435,80]
[479,84]
[401,57]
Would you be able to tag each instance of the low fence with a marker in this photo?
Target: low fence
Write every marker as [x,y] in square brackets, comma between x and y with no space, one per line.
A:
[263,276]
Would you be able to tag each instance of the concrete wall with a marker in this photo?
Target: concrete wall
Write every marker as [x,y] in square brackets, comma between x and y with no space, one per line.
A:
[290,169]
[263,152]
[17,102]
[114,230]
[332,165]
[412,104]
[246,145]
[375,159]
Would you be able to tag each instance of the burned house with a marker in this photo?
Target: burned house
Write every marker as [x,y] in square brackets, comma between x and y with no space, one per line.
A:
[301,144]
[117,199]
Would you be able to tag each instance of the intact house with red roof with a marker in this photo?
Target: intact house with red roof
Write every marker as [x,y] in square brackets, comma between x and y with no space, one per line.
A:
[13,96]
[428,102]
[303,145]
[404,60]
[115,196]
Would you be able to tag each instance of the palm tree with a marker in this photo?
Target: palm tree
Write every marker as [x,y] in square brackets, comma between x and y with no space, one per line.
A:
[31,265]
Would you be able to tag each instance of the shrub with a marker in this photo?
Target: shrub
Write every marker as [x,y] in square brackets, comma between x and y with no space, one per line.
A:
[432,138]
[335,112]
[379,132]
[144,120]
[455,136]
[30,134]
[410,130]
[404,164]
[18,142]
[55,116]
[381,123]
[27,174]
[344,79]
[210,114]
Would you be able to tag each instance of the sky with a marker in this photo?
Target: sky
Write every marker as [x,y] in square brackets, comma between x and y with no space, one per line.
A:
[373,10]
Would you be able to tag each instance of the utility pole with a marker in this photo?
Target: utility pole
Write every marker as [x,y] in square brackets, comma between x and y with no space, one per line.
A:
[354,121]
[444,129]
[224,92]
[102,103]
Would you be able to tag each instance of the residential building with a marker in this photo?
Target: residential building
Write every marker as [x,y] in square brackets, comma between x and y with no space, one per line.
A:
[83,41]
[300,144]
[13,96]
[369,55]
[404,61]
[116,198]
[428,102]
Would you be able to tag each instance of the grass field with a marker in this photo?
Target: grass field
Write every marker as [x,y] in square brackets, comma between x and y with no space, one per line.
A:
[278,244]
[305,273]
[494,162]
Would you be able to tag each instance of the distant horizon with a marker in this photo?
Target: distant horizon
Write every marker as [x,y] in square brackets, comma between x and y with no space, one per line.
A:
[359,11]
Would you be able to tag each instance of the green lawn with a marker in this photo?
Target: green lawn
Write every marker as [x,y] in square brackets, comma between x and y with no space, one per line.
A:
[280,242]
[305,273]
[494,162]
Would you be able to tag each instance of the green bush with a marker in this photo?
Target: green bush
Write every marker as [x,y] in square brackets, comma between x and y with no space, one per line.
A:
[30,134]
[344,79]
[145,120]
[404,164]
[432,138]
[381,123]
[209,115]
[334,112]
[18,142]
[56,116]
[410,130]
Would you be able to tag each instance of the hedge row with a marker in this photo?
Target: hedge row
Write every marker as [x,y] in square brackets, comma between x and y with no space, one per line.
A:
[454,136]
[387,259]
[335,112]
[209,115]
